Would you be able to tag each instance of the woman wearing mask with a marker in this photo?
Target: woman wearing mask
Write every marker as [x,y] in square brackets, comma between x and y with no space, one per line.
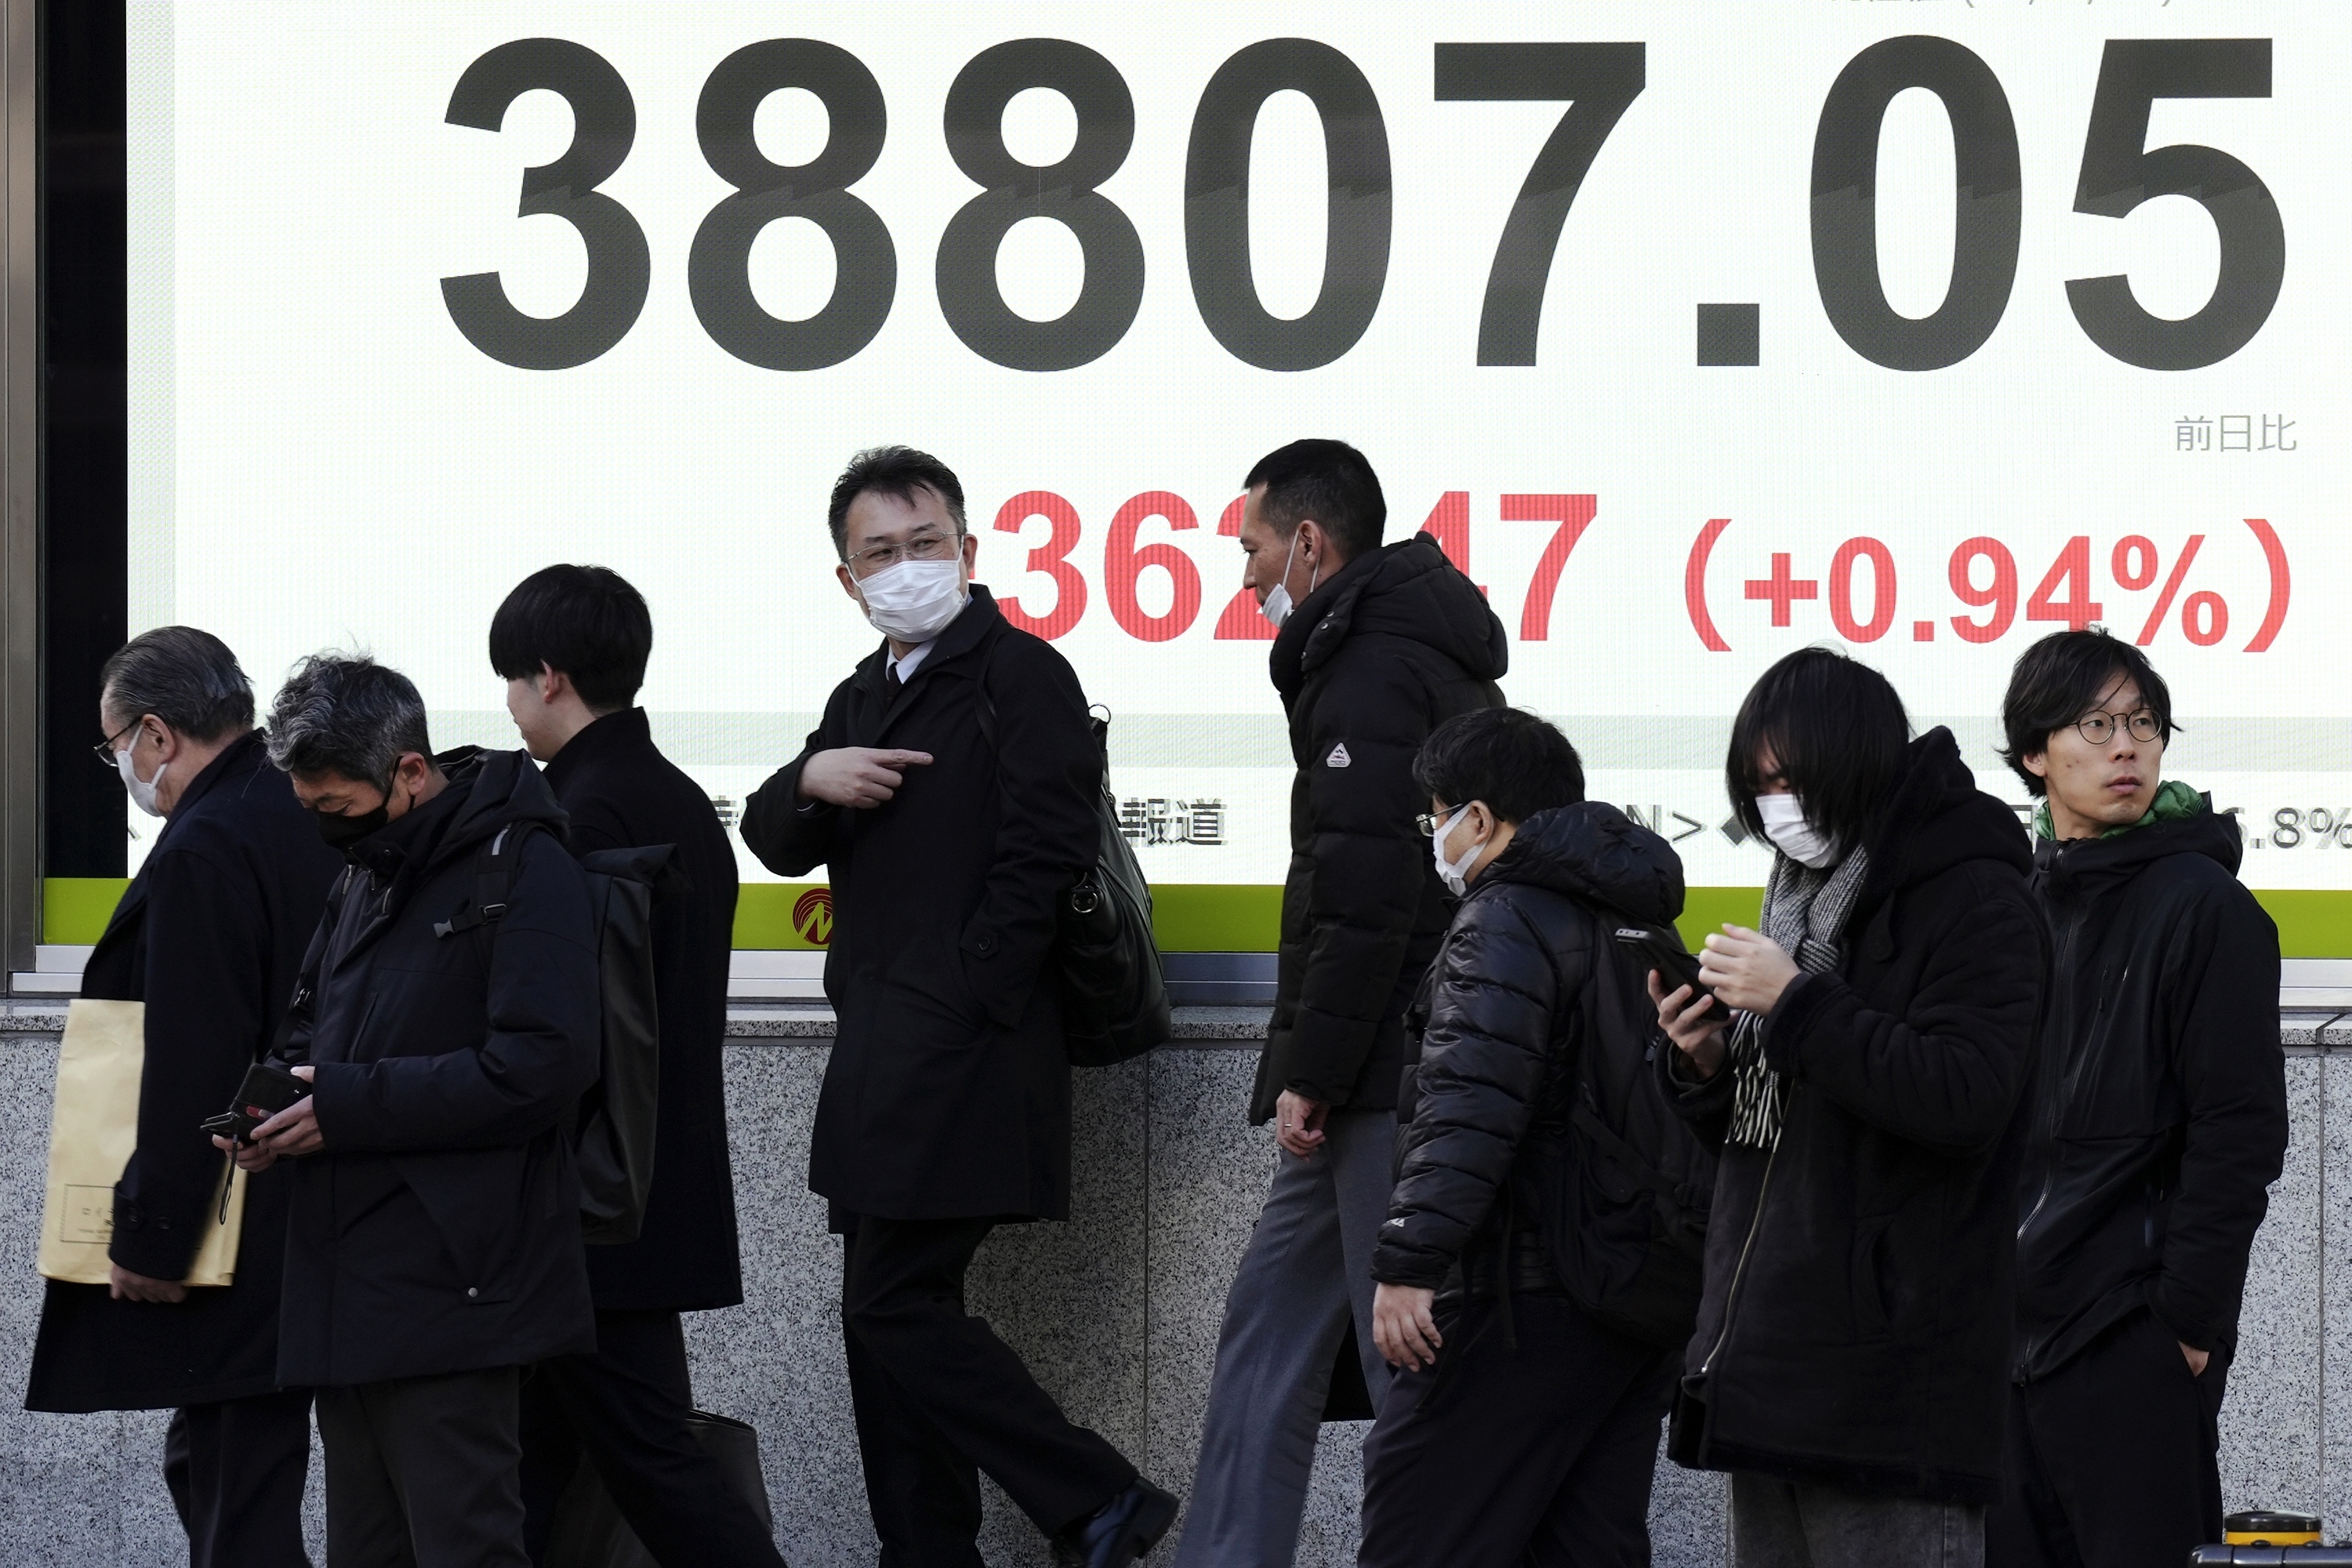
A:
[1861,1064]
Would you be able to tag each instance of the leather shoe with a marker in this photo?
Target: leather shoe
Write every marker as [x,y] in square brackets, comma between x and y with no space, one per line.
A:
[1119,1533]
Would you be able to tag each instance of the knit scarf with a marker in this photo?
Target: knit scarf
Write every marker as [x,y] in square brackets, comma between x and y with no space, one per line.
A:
[1805,913]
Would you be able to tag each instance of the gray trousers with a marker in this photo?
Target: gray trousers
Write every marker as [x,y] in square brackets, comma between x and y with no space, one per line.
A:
[1776,1524]
[1308,1271]
[425,1472]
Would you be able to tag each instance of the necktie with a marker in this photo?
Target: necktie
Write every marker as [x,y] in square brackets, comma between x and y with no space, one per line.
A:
[891,685]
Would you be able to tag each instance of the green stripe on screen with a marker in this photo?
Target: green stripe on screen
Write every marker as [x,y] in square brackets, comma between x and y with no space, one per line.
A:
[1210,918]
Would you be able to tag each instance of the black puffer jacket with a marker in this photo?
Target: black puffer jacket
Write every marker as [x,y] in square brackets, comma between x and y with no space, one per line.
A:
[1393,645]
[1860,1291]
[2161,1114]
[1506,1021]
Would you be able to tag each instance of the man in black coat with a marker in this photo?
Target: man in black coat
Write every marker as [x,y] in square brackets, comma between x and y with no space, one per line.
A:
[1541,1448]
[1870,1103]
[950,790]
[572,642]
[1385,643]
[2160,1123]
[210,936]
[432,1249]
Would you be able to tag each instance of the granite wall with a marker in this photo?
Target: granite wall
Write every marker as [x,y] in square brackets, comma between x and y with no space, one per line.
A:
[1118,1312]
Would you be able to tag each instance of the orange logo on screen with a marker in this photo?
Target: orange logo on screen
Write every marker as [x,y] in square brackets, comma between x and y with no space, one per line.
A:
[813,916]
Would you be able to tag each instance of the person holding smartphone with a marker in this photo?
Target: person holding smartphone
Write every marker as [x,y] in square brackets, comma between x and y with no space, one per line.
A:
[1862,1066]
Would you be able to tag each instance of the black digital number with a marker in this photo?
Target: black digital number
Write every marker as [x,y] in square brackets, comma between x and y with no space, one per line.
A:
[1600,80]
[1065,192]
[1216,204]
[605,124]
[2119,172]
[1987,203]
[866,263]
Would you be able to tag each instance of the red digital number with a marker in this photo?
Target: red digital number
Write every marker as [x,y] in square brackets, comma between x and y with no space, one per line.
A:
[1123,563]
[1051,558]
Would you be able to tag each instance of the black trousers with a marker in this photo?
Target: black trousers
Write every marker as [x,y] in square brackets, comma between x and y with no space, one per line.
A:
[235,1470]
[939,1397]
[1540,1454]
[625,1408]
[2113,1459]
[420,1472]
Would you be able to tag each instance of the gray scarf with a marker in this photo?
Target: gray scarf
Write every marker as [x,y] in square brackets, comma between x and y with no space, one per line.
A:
[1805,913]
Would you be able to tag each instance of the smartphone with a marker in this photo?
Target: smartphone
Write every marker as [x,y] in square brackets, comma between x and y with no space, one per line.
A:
[267,1090]
[1661,948]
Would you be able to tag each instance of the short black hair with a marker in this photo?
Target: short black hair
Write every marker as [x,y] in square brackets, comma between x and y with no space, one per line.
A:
[896,472]
[1837,730]
[1329,481]
[1507,757]
[585,622]
[344,713]
[186,677]
[2062,678]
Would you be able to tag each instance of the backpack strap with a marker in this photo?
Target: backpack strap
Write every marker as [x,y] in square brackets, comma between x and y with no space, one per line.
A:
[493,870]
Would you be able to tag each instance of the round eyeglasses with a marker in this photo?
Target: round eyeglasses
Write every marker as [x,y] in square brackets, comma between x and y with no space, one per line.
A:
[2100,728]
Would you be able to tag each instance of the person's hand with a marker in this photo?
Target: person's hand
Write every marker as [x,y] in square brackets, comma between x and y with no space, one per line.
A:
[292,1133]
[1746,969]
[858,777]
[1403,1329]
[121,1285]
[1298,1122]
[2197,1359]
[1695,1031]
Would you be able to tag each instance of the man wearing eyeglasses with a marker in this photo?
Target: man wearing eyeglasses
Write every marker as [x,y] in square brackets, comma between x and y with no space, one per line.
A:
[2161,1120]
[949,792]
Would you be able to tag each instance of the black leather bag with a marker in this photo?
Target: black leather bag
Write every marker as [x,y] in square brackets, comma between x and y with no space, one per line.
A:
[588,1531]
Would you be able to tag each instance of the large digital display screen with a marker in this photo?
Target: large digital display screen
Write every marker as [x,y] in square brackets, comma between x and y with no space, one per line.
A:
[1695,332]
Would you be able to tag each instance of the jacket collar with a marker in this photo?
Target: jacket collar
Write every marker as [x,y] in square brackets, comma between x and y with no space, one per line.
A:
[613,735]
[973,625]
[242,756]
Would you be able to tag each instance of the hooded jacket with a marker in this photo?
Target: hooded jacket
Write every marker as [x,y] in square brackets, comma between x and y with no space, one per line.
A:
[1860,1288]
[2161,1116]
[1506,1023]
[437,1230]
[1395,644]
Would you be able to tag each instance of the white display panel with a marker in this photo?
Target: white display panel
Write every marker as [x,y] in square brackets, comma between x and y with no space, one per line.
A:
[1937,454]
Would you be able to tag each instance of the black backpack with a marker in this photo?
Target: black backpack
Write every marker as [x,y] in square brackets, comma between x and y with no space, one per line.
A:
[612,1128]
[1114,996]
[1624,1186]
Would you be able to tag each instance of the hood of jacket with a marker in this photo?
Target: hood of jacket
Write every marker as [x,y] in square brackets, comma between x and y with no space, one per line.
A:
[1936,818]
[2072,870]
[1594,854]
[486,791]
[1408,589]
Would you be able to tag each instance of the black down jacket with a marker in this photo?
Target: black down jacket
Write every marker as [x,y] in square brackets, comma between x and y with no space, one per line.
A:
[1395,644]
[1497,1056]
[1856,1327]
[439,1228]
[2161,1116]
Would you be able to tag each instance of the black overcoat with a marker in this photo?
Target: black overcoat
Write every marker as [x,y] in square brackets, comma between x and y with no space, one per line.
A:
[1374,659]
[948,1092]
[1860,1278]
[620,792]
[210,935]
[439,1229]
[2161,1120]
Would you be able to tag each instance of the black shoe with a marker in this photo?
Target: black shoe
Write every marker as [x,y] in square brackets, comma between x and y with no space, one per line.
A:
[1119,1533]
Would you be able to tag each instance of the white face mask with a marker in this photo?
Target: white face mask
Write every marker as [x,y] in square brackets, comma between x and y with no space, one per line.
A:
[1278,607]
[1785,826]
[913,601]
[1454,874]
[142,791]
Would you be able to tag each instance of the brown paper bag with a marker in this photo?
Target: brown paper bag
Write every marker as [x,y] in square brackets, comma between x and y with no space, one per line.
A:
[93,1128]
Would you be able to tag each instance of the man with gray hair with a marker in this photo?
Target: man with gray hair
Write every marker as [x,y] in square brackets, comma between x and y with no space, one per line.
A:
[209,936]
[434,1249]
